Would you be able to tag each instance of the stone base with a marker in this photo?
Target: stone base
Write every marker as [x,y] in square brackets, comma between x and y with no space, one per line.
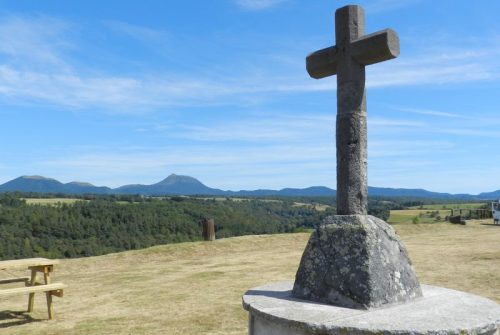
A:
[274,311]
[356,261]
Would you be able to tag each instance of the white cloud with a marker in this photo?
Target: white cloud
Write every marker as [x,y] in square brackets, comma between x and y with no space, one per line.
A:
[405,148]
[379,122]
[379,6]
[38,69]
[474,132]
[268,129]
[258,4]
[35,41]
[431,75]
[427,112]
[115,93]
[118,167]
[137,32]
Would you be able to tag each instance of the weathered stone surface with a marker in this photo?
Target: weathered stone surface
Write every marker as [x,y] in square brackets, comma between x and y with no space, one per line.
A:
[347,59]
[352,185]
[274,311]
[356,261]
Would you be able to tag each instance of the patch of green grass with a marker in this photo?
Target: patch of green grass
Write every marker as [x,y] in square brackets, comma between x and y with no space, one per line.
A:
[303,230]
[406,216]
[51,201]
[435,207]
[318,207]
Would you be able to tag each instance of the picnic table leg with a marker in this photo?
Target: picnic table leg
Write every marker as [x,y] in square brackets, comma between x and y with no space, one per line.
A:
[31,300]
[46,277]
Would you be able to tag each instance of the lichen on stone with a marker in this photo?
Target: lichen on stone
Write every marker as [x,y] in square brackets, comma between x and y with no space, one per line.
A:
[356,261]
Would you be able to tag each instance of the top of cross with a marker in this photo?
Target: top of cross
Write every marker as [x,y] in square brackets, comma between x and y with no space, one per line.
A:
[349,33]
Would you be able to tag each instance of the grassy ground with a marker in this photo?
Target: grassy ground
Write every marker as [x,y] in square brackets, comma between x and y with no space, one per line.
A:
[406,216]
[450,206]
[196,288]
[51,201]
[318,207]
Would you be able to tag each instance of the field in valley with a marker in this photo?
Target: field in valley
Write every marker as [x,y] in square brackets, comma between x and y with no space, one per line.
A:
[407,216]
[51,201]
[196,288]
[470,205]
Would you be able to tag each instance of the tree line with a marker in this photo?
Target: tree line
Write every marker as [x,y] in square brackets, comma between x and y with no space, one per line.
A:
[110,224]
[101,224]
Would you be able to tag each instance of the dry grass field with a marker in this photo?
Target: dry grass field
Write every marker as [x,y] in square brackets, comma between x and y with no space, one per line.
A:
[196,288]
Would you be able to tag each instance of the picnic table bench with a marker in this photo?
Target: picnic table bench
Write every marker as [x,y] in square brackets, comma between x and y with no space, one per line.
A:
[32,286]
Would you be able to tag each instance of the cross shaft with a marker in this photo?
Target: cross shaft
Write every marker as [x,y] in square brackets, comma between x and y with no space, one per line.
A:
[347,59]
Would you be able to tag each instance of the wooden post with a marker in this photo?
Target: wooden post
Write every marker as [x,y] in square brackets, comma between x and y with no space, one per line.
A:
[208,229]
[31,299]
[46,277]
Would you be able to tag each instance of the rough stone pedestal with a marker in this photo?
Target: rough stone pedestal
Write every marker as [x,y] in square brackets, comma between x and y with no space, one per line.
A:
[356,261]
[274,311]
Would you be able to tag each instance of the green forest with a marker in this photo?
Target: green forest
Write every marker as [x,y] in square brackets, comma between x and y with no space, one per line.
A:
[96,225]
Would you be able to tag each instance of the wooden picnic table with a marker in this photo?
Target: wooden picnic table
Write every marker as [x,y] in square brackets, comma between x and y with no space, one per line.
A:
[35,265]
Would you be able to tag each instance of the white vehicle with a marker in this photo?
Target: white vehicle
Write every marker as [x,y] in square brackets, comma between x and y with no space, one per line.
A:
[495,210]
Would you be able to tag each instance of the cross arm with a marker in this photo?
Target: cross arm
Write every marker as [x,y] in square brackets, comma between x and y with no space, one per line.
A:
[322,63]
[375,48]
[366,50]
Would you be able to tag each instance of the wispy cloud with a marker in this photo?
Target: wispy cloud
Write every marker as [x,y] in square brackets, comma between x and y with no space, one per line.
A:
[116,168]
[258,4]
[474,132]
[437,74]
[384,122]
[138,32]
[50,76]
[290,129]
[38,41]
[406,148]
[427,112]
[379,6]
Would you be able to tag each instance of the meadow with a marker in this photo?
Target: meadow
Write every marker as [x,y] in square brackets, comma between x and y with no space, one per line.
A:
[196,287]
[69,201]
[425,216]
[51,201]
[470,205]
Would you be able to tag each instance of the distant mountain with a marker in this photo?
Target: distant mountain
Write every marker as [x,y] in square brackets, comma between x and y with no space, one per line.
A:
[33,184]
[185,185]
[309,191]
[85,188]
[420,193]
[490,195]
[314,191]
[41,184]
[173,184]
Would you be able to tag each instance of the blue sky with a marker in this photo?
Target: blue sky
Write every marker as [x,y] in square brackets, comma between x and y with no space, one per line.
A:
[120,92]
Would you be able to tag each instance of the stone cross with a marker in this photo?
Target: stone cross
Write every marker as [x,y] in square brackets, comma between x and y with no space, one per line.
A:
[347,59]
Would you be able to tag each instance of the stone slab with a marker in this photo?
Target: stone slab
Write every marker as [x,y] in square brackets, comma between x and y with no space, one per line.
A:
[273,311]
